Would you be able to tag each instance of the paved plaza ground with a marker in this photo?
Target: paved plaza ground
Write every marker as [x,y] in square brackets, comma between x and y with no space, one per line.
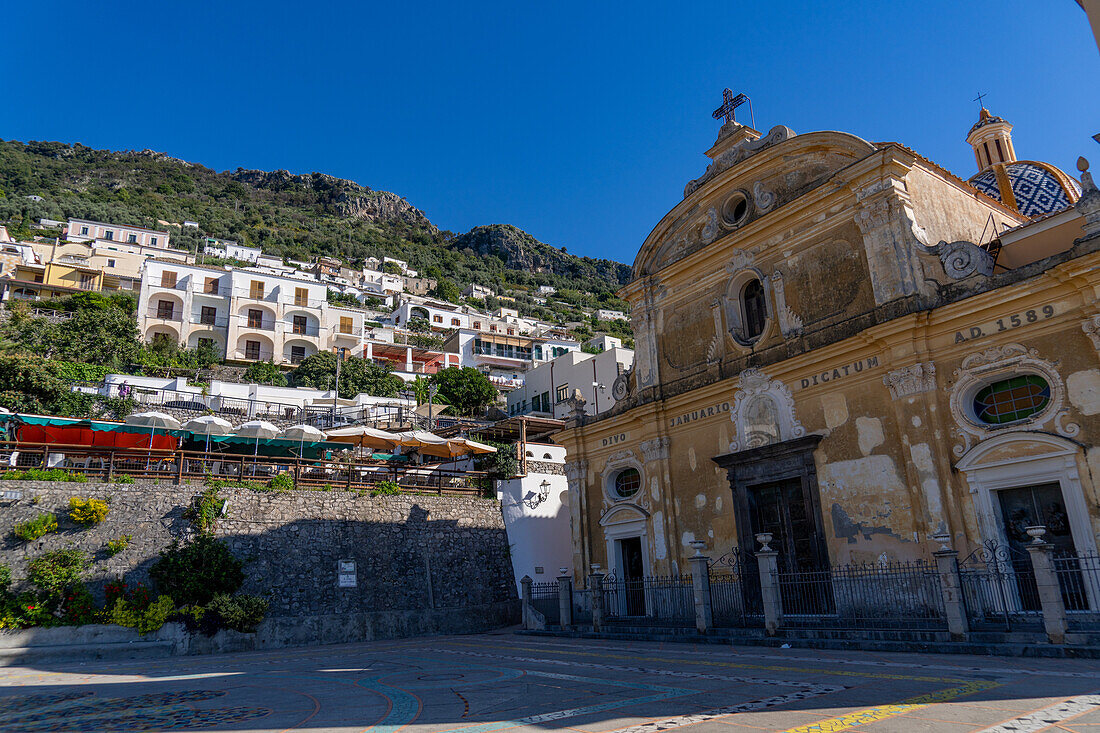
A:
[502,681]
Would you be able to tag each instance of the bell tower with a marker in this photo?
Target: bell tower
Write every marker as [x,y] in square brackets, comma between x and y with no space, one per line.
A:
[991,138]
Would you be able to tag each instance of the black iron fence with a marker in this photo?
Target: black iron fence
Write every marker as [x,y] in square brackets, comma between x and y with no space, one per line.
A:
[1079,581]
[903,595]
[735,591]
[999,589]
[545,598]
[651,601]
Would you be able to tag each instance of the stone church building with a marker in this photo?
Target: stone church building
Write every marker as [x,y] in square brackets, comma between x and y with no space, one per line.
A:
[845,345]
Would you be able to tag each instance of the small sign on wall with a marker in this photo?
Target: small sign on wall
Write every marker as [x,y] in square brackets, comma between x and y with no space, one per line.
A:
[345,574]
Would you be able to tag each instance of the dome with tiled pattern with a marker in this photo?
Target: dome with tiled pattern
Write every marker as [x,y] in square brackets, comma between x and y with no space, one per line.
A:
[1034,188]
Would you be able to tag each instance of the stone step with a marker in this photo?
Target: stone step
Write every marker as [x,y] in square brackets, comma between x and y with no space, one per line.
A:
[29,655]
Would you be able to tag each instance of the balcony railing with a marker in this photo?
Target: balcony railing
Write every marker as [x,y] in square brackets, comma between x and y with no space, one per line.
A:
[310,329]
[254,325]
[261,355]
[159,315]
[177,285]
[216,322]
[202,289]
[304,302]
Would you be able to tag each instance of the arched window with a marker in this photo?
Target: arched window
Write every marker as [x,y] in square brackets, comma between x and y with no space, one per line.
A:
[752,304]
[627,483]
[1011,400]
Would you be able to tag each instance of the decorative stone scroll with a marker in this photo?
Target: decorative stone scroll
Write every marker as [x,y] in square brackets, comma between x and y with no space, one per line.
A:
[963,259]
[911,380]
[764,199]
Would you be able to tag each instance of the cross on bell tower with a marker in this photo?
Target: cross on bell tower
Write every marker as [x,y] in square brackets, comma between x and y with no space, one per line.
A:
[730,103]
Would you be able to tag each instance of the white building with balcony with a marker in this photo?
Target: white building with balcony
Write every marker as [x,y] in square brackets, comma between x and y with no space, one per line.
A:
[603,314]
[505,358]
[246,315]
[440,315]
[547,386]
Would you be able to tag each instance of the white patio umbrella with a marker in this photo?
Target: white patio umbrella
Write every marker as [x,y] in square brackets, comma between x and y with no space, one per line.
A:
[208,425]
[154,420]
[472,446]
[258,429]
[302,433]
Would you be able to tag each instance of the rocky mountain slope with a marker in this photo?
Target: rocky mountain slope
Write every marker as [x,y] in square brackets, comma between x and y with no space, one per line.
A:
[286,214]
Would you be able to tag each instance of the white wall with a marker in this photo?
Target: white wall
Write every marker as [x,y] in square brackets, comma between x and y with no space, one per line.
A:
[539,537]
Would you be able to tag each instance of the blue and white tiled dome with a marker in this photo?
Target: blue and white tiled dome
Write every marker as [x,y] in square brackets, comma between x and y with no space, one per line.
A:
[1037,188]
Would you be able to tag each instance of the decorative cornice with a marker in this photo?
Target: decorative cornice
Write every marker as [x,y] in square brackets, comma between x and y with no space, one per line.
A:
[911,380]
[738,153]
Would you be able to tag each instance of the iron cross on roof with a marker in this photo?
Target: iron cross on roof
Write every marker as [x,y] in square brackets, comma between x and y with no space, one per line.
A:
[729,106]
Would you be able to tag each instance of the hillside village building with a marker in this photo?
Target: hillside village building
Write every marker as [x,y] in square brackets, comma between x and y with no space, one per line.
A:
[83,230]
[548,387]
[844,345]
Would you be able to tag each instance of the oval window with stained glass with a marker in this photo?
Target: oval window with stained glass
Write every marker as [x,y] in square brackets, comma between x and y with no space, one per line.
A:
[1011,400]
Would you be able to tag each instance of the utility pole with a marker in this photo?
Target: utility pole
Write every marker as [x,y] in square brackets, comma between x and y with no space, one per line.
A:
[432,390]
[336,391]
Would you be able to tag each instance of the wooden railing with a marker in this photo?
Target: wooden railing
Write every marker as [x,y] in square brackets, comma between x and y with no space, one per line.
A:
[107,464]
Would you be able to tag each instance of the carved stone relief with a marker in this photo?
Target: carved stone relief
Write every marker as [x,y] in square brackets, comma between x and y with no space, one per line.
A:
[1091,327]
[911,380]
[790,324]
[763,198]
[762,412]
[738,153]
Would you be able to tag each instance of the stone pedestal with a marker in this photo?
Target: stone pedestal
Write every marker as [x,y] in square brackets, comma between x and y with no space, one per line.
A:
[947,567]
[1050,594]
[700,585]
[595,585]
[565,601]
[525,584]
[769,589]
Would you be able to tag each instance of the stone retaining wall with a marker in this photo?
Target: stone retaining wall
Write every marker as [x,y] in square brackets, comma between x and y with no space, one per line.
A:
[412,553]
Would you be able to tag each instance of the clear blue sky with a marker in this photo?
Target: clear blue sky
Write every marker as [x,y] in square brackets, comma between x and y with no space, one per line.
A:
[579,122]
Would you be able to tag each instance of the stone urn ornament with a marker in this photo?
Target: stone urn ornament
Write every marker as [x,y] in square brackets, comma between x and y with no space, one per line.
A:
[1036,532]
[765,538]
[698,545]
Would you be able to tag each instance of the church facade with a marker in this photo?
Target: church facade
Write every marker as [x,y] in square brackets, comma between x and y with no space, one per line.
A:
[845,345]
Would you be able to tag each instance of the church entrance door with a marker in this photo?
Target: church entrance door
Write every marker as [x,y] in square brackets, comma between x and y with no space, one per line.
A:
[633,570]
[1028,506]
[775,491]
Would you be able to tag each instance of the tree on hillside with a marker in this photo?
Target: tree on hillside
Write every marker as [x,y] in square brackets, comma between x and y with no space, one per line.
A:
[356,376]
[265,372]
[446,290]
[466,389]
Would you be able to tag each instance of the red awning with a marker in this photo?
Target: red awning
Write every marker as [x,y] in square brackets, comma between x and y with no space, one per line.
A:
[76,435]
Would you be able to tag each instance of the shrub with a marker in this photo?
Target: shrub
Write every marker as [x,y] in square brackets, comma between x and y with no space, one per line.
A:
[124,479]
[240,613]
[45,474]
[207,507]
[196,572]
[282,482]
[385,488]
[125,613]
[54,572]
[118,544]
[78,608]
[32,529]
[5,579]
[87,511]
